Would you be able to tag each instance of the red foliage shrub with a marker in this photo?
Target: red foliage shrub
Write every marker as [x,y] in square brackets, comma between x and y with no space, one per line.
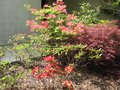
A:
[102,36]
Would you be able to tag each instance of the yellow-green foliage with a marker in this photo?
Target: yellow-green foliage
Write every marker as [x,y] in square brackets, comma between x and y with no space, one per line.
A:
[1,52]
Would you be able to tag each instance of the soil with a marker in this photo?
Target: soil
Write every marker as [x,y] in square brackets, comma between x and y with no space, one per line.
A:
[84,79]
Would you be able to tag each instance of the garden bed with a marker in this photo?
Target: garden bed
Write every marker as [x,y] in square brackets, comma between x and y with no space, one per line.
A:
[64,52]
[84,79]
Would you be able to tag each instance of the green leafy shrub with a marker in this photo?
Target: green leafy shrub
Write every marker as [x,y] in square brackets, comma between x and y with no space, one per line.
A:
[74,54]
[3,67]
[50,33]
[87,15]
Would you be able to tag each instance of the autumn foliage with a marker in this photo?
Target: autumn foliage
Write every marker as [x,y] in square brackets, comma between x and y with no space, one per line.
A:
[106,37]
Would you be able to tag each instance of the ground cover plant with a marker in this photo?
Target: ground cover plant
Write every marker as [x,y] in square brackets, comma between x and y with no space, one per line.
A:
[58,47]
[9,75]
[1,51]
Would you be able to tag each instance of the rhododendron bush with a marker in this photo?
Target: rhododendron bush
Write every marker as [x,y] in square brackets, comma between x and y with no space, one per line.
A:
[50,33]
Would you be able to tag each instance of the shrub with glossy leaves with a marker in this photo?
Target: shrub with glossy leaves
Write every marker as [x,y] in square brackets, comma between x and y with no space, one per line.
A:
[50,33]
[87,15]
[52,27]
